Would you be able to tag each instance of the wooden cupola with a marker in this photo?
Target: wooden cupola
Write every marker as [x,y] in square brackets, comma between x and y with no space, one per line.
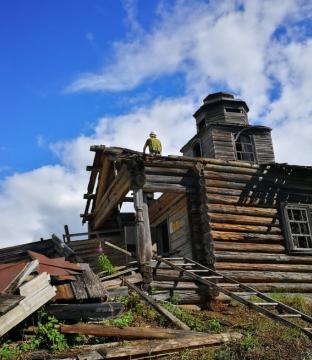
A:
[224,132]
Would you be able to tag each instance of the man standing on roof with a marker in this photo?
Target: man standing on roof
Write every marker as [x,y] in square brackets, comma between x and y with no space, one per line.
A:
[153,144]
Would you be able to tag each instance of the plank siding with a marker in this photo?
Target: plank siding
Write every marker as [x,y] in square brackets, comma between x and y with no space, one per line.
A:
[241,205]
[173,208]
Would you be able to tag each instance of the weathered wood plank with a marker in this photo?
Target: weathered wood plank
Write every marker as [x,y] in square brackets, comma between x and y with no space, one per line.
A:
[126,332]
[242,210]
[41,292]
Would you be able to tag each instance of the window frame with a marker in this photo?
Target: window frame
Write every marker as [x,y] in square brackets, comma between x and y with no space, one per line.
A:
[252,142]
[292,249]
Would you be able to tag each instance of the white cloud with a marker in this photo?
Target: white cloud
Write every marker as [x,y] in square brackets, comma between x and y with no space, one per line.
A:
[211,44]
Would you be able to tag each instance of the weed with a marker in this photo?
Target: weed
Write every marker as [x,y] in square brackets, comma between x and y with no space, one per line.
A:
[125,320]
[8,351]
[214,325]
[49,337]
[105,264]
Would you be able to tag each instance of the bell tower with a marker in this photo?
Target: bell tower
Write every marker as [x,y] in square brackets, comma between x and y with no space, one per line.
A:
[224,132]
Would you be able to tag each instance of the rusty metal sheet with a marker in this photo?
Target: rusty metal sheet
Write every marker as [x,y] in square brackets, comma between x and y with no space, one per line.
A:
[8,272]
[57,262]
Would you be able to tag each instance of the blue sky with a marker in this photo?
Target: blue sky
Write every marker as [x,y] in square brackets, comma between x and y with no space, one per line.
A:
[43,46]
[76,73]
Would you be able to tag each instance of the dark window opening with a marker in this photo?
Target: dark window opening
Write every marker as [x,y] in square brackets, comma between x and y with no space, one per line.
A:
[298,225]
[162,238]
[244,148]
[232,110]
[197,150]
[201,124]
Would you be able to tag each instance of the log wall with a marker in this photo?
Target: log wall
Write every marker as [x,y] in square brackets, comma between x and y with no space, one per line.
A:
[242,224]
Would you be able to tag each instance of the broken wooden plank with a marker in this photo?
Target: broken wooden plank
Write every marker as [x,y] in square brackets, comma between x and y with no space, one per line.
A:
[161,310]
[93,285]
[126,332]
[117,274]
[90,312]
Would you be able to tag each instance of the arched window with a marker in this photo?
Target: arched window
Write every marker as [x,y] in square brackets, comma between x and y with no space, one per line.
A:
[197,149]
[245,149]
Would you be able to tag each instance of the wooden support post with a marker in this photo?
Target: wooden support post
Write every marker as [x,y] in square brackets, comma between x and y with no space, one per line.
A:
[144,240]
[66,236]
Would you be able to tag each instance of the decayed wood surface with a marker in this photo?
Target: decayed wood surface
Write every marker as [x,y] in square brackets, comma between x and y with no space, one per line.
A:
[161,310]
[126,332]
[8,301]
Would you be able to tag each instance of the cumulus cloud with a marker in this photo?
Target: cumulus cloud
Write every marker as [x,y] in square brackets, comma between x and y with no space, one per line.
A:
[252,48]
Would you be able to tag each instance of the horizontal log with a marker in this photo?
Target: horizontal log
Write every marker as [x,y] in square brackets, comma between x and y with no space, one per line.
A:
[173,285]
[166,170]
[245,228]
[160,187]
[253,257]
[243,219]
[241,200]
[164,179]
[233,246]
[234,169]
[268,276]
[242,210]
[248,237]
[235,163]
[126,332]
[263,267]
[282,287]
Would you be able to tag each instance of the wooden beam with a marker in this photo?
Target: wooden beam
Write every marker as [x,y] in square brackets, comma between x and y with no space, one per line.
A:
[161,310]
[112,197]
[126,332]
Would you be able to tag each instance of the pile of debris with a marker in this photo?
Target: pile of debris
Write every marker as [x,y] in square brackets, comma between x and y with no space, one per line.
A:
[70,291]
[82,301]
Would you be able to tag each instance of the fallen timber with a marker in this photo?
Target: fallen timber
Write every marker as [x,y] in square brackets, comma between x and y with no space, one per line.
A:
[143,349]
[161,310]
[126,332]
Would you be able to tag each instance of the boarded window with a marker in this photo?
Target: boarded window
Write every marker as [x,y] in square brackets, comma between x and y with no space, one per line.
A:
[244,147]
[298,227]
